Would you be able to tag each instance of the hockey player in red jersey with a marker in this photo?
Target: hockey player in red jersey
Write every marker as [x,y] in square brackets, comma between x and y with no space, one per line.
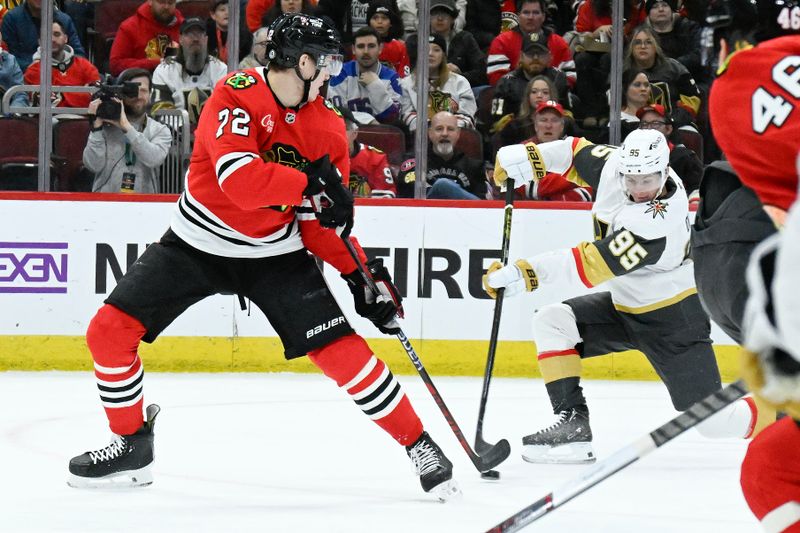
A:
[762,146]
[263,189]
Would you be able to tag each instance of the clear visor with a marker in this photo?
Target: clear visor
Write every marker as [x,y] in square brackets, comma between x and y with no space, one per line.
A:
[332,62]
[642,186]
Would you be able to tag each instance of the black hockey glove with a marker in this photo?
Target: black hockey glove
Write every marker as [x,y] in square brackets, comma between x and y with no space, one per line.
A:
[384,310]
[332,201]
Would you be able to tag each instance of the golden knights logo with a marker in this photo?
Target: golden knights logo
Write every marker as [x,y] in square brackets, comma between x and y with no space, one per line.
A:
[286,155]
[657,208]
[241,80]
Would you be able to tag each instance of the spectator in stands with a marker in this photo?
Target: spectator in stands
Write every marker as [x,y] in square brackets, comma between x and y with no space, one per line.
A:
[20,31]
[287,6]
[67,69]
[349,16]
[534,61]
[408,10]
[678,36]
[125,153]
[448,91]
[451,174]
[10,75]
[679,93]
[370,173]
[256,9]
[505,49]
[389,27]
[186,81]
[592,61]
[482,20]
[82,14]
[464,56]
[682,159]
[510,129]
[258,55]
[370,90]
[217,32]
[146,37]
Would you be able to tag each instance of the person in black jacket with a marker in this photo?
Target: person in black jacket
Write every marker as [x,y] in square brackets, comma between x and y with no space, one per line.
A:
[464,56]
[679,37]
[342,12]
[483,21]
[217,32]
[451,174]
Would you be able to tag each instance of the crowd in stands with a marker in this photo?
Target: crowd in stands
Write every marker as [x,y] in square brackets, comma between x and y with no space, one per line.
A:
[500,72]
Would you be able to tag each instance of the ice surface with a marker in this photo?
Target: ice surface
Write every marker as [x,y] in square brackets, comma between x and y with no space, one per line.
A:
[290,452]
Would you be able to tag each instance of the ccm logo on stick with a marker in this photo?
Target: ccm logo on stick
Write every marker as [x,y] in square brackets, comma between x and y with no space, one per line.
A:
[322,327]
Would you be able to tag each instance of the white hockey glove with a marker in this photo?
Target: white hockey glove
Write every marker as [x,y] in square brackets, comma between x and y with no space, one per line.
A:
[514,278]
[520,162]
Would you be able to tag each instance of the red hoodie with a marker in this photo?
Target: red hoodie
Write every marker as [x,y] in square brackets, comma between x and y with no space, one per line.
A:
[141,40]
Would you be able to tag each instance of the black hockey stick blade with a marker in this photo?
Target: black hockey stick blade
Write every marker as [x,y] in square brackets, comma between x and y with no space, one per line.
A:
[623,457]
[495,455]
[480,444]
[492,454]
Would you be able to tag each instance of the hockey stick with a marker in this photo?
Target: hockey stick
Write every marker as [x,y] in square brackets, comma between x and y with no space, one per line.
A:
[481,444]
[624,457]
[489,458]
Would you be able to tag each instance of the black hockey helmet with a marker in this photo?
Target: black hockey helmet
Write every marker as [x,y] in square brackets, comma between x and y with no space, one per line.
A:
[295,34]
[754,20]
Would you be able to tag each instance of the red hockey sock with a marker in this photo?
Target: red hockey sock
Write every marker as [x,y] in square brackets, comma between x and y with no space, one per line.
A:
[352,365]
[113,338]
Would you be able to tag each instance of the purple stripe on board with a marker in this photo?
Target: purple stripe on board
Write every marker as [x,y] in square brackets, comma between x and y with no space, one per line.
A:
[48,290]
[39,245]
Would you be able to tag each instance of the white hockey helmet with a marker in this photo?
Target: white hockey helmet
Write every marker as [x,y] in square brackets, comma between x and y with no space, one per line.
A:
[643,163]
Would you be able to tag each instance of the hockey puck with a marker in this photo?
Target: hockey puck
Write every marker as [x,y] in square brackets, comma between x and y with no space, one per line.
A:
[493,475]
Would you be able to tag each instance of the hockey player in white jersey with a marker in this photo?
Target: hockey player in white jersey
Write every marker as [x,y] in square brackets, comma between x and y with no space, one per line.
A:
[640,254]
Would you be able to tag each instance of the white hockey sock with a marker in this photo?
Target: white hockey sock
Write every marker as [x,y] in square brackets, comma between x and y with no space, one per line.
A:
[736,421]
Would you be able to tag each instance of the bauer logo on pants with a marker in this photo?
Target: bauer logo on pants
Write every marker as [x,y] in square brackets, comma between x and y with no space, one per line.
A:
[33,267]
[325,327]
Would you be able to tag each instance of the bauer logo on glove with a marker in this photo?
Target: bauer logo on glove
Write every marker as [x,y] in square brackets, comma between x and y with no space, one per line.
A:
[513,279]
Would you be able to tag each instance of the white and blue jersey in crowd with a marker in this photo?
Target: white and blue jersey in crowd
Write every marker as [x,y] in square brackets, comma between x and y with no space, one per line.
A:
[380,99]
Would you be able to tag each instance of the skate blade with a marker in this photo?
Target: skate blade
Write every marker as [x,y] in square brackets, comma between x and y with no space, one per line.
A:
[120,480]
[447,491]
[575,453]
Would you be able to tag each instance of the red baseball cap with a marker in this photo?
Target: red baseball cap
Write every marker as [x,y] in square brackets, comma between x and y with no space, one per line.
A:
[550,104]
[655,108]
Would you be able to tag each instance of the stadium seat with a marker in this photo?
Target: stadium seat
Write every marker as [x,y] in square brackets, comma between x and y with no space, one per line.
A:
[471,143]
[194,8]
[693,140]
[19,159]
[69,140]
[108,15]
[390,139]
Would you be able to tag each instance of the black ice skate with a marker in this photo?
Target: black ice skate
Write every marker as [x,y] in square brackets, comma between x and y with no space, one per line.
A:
[435,471]
[126,462]
[567,441]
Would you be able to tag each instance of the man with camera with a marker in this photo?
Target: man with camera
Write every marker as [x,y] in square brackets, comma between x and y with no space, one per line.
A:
[68,69]
[125,147]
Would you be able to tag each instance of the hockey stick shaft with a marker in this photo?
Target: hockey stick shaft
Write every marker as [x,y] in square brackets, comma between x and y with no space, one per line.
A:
[492,457]
[508,210]
[624,457]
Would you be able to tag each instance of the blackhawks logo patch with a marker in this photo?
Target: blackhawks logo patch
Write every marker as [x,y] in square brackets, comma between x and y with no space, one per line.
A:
[657,208]
[241,80]
[286,155]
